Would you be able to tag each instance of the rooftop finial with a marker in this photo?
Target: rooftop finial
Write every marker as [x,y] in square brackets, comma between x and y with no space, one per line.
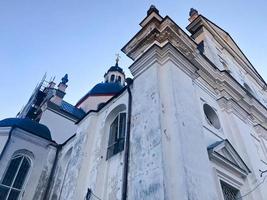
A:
[117,58]
[152,9]
[65,79]
[192,12]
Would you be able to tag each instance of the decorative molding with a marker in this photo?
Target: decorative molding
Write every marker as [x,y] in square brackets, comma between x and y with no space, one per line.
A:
[163,40]
[224,154]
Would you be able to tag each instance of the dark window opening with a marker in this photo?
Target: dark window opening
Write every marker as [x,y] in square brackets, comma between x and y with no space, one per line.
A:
[116,135]
[211,116]
[112,78]
[229,192]
[119,79]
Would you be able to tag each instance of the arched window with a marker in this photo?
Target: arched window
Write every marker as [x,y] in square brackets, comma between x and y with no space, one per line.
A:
[112,78]
[14,178]
[119,79]
[116,135]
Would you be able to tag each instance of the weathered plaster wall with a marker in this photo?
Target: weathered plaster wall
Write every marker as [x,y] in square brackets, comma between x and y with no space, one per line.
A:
[146,164]
[184,144]
[87,166]
[59,184]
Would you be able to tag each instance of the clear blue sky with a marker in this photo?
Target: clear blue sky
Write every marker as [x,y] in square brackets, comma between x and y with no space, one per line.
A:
[81,37]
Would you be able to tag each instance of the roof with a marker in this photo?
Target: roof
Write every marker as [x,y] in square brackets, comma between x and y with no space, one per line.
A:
[76,112]
[106,88]
[101,89]
[115,68]
[67,110]
[28,125]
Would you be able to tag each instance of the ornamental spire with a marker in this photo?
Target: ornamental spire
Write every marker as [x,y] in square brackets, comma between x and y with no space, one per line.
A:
[65,79]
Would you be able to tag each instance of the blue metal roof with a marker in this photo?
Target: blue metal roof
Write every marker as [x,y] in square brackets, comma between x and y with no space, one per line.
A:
[105,88]
[27,125]
[77,112]
[115,68]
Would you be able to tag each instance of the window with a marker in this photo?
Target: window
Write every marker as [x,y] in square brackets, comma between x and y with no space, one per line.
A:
[229,192]
[14,177]
[119,79]
[116,135]
[112,78]
[211,116]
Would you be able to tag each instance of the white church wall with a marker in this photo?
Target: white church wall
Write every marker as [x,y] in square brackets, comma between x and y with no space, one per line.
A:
[60,127]
[59,185]
[92,102]
[42,158]
[239,133]
[243,142]
[104,176]
[188,133]
[206,95]
[88,167]
[146,177]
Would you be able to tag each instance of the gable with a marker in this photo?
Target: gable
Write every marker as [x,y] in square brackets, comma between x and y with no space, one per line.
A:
[226,41]
[224,154]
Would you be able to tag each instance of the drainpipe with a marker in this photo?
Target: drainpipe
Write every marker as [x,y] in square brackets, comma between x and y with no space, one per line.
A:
[129,82]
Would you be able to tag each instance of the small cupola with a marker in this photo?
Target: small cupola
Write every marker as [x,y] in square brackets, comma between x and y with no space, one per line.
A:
[115,74]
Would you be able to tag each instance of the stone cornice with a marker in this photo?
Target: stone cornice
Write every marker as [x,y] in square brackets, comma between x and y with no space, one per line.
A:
[159,32]
[162,55]
[162,41]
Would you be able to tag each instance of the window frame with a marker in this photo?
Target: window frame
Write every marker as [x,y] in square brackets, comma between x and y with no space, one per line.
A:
[224,175]
[210,114]
[118,144]
[229,185]
[11,186]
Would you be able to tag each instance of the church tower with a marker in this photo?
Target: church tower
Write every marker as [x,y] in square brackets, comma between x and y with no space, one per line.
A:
[114,82]
[115,74]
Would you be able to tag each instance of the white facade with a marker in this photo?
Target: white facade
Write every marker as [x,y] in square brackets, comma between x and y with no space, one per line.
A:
[61,128]
[195,119]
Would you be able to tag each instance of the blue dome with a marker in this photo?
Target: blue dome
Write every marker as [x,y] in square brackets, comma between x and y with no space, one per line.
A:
[105,88]
[115,68]
[27,125]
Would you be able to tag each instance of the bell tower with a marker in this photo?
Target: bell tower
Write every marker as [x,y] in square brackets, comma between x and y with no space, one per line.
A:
[115,74]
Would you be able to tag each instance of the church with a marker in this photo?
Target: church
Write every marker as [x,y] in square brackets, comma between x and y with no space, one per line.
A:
[191,124]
